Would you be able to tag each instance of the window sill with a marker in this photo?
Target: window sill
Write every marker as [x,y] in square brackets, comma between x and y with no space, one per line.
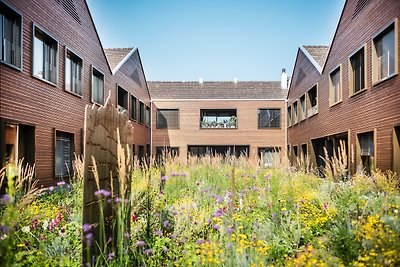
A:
[384,79]
[316,113]
[43,80]
[11,65]
[359,92]
[335,104]
[74,94]
[96,104]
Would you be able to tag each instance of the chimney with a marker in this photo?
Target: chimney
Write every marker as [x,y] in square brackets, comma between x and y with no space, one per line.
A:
[201,80]
[284,79]
[235,80]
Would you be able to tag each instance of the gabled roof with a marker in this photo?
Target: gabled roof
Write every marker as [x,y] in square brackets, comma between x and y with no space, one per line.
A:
[316,54]
[217,90]
[118,56]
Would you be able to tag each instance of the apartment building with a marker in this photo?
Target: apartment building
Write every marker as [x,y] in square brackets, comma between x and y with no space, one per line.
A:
[352,95]
[208,118]
[52,65]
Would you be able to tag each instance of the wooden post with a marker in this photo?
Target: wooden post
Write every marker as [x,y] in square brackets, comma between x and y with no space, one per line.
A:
[102,151]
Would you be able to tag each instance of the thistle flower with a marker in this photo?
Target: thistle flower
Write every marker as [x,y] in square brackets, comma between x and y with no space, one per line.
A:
[148,251]
[5,199]
[86,227]
[110,256]
[267,177]
[140,243]
[102,192]
[164,178]
[199,241]
[166,224]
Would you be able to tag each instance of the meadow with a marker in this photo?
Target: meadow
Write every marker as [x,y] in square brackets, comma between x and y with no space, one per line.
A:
[213,212]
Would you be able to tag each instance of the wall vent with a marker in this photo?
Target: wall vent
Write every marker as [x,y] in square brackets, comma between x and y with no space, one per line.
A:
[359,7]
[69,7]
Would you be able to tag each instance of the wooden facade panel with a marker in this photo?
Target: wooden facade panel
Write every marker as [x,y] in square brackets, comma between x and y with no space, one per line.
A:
[376,107]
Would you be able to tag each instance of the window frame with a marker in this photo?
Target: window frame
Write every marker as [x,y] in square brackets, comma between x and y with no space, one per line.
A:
[350,69]
[92,68]
[374,66]
[134,118]
[55,153]
[331,103]
[295,111]
[216,110]
[308,100]
[170,128]
[302,113]
[21,39]
[147,116]
[140,120]
[34,26]
[289,116]
[127,109]
[67,49]
[265,127]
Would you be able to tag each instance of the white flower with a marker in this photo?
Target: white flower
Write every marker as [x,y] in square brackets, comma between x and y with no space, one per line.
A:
[26,229]
[45,225]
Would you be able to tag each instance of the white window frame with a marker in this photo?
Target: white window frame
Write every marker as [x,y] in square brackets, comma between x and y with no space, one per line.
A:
[93,68]
[65,72]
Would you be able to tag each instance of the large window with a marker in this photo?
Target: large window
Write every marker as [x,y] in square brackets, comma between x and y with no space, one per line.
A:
[229,150]
[269,118]
[303,109]
[295,110]
[122,99]
[64,154]
[312,101]
[141,112]
[133,108]
[335,88]
[218,118]
[357,71]
[384,54]
[73,73]
[45,56]
[10,36]
[167,119]
[147,116]
[269,155]
[97,87]
[367,150]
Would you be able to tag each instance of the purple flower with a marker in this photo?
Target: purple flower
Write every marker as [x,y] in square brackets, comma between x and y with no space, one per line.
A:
[110,256]
[218,199]
[200,241]
[159,233]
[325,206]
[216,227]
[140,243]
[268,176]
[35,224]
[165,250]
[230,230]
[89,238]
[4,229]
[5,199]
[173,174]
[102,192]
[164,178]
[126,201]
[61,183]
[229,245]
[127,235]
[51,188]
[266,189]
[117,200]
[166,224]
[148,251]
[218,213]
[208,220]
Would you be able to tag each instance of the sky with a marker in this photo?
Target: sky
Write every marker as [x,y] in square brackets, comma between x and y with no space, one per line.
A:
[217,40]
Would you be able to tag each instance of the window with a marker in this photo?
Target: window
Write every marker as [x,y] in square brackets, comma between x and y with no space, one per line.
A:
[122,99]
[312,101]
[295,113]
[45,56]
[335,90]
[64,153]
[73,73]
[97,87]
[357,71]
[289,116]
[165,152]
[366,145]
[218,118]
[141,112]
[199,151]
[10,36]
[167,119]
[303,110]
[133,108]
[304,149]
[147,116]
[269,118]
[269,155]
[384,54]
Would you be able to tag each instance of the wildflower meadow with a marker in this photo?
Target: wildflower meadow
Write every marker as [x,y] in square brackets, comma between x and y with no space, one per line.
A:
[211,211]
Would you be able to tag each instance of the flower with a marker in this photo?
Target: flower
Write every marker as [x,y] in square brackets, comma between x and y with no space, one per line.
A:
[159,233]
[148,251]
[89,238]
[217,214]
[86,227]
[134,217]
[35,224]
[164,178]
[166,224]
[102,192]
[165,250]
[45,224]
[61,183]
[26,229]
[110,256]
[199,241]
[140,243]
[5,199]
[51,188]
[267,177]
[230,230]
[216,227]
[117,200]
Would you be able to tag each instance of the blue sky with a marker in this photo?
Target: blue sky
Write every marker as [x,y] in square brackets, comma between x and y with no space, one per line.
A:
[218,40]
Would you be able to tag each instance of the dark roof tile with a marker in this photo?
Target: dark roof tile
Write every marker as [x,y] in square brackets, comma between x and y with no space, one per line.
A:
[318,52]
[115,55]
